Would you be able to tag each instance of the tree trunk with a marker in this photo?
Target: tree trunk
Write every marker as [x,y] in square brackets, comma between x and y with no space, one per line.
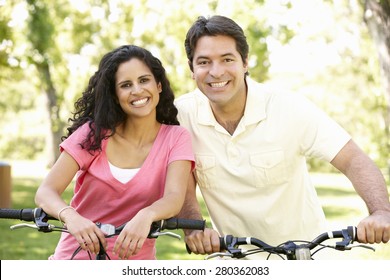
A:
[377,18]
[55,123]
[40,33]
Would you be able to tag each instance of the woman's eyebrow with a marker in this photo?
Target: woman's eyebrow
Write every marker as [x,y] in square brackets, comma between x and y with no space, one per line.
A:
[140,77]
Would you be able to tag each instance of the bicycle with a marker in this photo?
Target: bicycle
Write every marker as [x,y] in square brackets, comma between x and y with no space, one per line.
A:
[292,250]
[41,218]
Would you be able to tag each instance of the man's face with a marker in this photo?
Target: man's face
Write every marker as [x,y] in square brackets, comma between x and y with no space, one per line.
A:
[218,69]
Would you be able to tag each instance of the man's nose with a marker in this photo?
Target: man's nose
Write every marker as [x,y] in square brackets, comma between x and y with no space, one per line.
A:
[216,70]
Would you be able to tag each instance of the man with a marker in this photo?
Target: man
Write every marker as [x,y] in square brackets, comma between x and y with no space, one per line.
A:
[251,145]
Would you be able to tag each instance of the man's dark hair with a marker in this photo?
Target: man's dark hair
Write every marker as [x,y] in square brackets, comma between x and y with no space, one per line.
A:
[213,26]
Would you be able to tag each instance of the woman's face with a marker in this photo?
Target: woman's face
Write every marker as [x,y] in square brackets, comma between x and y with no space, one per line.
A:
[136,88]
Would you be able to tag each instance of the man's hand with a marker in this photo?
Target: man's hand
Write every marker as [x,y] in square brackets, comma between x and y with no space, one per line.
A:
[203,242]
[375,228]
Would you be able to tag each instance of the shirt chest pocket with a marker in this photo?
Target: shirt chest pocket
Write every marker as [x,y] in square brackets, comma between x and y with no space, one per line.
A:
[269,168]
[205,171]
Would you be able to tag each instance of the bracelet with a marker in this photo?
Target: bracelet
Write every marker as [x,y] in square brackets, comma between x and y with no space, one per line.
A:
[63,209]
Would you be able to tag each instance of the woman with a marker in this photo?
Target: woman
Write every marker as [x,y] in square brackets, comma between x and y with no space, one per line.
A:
[131,157]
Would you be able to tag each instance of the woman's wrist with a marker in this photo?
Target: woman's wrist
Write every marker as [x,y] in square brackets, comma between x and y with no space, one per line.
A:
[61,211]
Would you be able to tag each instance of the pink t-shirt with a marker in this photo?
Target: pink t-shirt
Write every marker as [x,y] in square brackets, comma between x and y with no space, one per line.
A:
[102,198]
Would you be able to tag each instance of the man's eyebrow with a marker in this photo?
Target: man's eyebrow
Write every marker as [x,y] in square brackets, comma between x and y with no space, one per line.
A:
[201,57]
[228,54]
[207,57]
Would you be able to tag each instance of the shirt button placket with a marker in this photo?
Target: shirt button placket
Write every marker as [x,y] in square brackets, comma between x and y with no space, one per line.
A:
[233,153]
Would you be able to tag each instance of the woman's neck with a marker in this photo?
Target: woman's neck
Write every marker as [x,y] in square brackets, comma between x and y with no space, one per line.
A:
[139,135]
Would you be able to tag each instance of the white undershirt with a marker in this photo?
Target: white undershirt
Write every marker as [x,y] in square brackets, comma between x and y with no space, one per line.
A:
[123,175]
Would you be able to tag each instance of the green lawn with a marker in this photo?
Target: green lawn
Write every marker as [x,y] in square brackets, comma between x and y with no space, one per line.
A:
[341,205]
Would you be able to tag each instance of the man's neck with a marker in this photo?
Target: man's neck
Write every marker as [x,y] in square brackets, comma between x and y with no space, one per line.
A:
[229,117]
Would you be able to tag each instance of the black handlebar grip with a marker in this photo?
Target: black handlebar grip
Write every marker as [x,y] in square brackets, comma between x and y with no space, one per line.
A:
[352,231]
[176,223]
[222,243]
[21,214]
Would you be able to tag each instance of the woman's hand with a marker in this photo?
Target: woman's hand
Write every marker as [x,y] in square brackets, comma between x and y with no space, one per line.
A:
[85,231]
[133,236]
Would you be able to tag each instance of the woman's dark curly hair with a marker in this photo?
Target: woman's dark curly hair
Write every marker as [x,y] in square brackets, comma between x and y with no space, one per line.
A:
[99,104]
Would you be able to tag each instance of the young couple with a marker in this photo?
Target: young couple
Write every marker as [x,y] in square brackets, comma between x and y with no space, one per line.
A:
[243,144]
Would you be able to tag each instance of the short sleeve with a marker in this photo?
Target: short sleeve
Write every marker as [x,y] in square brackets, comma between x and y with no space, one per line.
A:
[181,148]
[322,136]
[72,145]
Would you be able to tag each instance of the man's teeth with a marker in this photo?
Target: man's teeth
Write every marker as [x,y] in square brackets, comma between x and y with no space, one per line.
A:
[140,101]
[216,85]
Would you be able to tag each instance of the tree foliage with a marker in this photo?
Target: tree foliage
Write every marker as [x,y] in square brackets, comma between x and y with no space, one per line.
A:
[377,18]
[49,49]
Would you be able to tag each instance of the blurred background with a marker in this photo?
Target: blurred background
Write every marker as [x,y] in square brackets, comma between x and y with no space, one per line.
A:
[334,52]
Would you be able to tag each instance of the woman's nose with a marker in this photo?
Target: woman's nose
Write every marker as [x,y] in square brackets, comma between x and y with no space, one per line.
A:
[137,88]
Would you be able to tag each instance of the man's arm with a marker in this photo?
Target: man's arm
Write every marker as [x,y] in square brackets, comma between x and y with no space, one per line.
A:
[199,242]
[370,184]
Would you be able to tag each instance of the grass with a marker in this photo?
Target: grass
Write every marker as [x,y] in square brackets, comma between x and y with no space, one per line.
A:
[341,205]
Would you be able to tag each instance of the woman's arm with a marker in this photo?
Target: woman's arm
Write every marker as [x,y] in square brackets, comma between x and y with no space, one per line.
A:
[48,197]
[133,236]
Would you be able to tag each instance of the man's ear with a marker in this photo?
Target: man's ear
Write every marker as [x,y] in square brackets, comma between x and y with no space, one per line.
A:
[246,65]
[191,66]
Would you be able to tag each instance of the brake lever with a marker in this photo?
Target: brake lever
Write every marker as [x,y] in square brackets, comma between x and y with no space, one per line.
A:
[218,254]
[362,246]
[27,225]
[158,233]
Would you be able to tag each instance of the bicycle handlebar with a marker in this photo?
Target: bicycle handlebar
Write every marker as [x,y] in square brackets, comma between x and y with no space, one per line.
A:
[40,218]
[26,214]
[34,214]
[293,250]
[349,235]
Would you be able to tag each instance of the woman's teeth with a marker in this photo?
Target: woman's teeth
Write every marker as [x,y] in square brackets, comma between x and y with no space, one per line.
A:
[139,101]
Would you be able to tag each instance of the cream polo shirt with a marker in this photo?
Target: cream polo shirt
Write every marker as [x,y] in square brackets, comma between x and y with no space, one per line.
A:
[255,182]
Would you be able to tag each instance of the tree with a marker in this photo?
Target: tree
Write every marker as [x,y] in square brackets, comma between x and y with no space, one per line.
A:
[58,45]
[377,18]
[40,34]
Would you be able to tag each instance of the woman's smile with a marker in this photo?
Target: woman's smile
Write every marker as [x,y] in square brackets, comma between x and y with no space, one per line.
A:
[140,102]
